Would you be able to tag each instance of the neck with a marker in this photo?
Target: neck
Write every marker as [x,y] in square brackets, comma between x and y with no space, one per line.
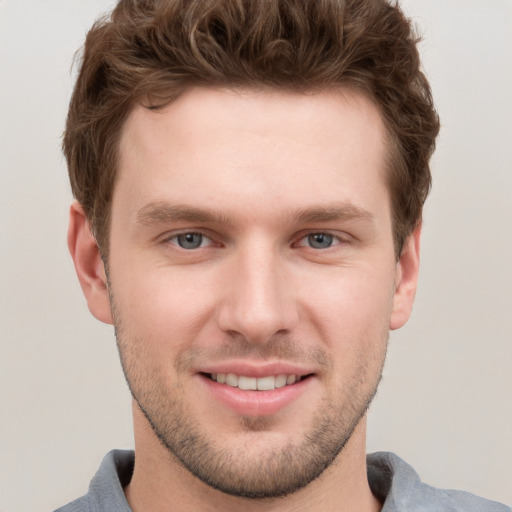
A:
[160,483]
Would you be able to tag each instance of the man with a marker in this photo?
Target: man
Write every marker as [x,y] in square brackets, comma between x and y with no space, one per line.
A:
[250,177]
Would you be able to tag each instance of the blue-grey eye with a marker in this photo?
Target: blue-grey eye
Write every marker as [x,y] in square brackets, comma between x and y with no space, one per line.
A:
[320,240]
[190,240]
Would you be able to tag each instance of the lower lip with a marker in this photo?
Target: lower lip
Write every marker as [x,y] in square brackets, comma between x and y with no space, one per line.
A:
[256,403]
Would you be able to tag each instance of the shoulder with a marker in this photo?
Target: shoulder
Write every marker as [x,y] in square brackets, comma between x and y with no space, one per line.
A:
[79,505]
[400,489]
[106,488]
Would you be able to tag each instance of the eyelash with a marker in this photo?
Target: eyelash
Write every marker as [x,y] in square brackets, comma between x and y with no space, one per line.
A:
[335,240]
[175,237]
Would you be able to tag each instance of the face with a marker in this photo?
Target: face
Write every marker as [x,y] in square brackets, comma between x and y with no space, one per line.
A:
[253,280]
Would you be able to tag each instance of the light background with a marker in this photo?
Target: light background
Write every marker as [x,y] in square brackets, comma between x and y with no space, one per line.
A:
[445,402]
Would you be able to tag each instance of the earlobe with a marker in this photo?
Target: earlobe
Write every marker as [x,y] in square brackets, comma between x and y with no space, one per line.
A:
[88,264]
[406,280]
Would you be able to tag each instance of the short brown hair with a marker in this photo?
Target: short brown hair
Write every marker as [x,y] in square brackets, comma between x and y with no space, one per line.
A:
[150,51]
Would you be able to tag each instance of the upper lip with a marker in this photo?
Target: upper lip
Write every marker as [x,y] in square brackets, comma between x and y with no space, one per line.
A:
[253,369]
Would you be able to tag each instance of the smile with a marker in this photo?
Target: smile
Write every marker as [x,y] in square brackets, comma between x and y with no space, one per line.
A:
[245,383]
[258,391]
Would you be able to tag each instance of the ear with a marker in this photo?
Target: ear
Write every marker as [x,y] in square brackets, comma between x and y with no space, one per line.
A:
[88,264]
[406,280]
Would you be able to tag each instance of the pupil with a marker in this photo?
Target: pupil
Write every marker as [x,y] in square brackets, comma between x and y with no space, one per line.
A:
[190,240]
[320,240]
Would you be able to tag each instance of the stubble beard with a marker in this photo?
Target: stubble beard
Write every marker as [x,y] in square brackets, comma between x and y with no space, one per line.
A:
[274,473]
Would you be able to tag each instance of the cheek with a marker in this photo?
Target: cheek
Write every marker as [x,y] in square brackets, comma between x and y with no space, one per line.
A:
[164,304]
[350,301]
[351,315]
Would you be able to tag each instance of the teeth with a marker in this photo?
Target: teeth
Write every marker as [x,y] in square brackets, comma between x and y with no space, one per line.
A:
[280,381]
[290,379]
[246,382]
[266,383]
[231,380]
[252,383]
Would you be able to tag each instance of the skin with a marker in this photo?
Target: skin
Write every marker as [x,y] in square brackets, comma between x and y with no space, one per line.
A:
[269,171]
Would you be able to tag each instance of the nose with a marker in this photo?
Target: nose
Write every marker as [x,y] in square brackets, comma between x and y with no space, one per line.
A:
[259,301]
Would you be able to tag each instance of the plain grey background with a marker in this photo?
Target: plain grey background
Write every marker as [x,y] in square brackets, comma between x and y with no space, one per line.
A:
[445,402]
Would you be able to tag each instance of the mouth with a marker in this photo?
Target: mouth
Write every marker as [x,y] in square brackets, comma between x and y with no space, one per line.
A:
[256,390]
[265,383]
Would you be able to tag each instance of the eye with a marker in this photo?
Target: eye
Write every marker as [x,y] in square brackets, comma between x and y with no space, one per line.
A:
[319,241]
[190,241]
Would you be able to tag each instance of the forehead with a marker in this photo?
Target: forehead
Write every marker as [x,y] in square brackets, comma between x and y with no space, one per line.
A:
[223,148]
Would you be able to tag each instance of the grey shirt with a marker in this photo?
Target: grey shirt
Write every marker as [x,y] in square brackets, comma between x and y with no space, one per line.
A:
[393,481]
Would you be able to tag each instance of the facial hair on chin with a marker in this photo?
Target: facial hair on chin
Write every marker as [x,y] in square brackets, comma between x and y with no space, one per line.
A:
[279,471]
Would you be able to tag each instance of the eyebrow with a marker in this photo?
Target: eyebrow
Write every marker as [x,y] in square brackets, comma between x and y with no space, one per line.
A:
[341,211]
[163,212]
